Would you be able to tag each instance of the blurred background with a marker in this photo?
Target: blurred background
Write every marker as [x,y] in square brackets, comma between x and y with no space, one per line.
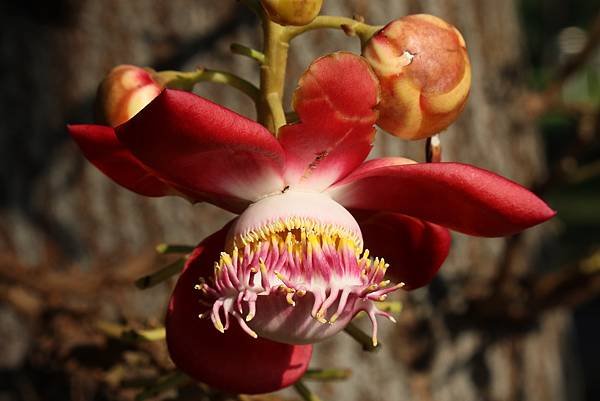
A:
[507,319]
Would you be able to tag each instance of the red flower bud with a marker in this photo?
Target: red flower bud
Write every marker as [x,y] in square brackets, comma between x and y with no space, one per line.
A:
[425,74]
[124,92]
[292,12]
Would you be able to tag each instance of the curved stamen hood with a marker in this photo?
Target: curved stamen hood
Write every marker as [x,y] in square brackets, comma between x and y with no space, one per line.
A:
[294,271]
[293,210]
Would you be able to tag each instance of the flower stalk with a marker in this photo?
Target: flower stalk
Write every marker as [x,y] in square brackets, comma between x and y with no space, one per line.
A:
[226,78]
[173,380]
[165,249]
[128,334]
[187,80]
[305,392]
[368,343]
[237,48]
[161,275]
[272,76]
[327,374]
[350,26]
[274,61]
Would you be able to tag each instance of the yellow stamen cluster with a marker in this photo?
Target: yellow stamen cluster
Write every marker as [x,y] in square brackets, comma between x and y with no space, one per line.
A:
[290,224]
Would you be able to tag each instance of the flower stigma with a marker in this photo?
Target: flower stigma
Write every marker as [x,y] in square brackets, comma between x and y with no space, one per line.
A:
[295,271]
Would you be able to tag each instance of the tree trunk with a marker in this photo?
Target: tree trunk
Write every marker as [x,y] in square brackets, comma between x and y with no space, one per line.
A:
[459,339]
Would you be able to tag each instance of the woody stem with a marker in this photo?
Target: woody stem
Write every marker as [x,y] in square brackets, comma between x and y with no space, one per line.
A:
[272,76]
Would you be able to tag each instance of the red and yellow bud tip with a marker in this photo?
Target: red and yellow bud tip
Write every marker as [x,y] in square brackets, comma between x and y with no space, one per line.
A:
[292,12]
[124,92]
[425,74]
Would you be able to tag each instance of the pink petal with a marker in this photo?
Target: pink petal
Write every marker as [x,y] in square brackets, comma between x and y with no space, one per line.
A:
[335,102]
[458,196]
[100,146]
[414,249]
[233,361]
[204,147]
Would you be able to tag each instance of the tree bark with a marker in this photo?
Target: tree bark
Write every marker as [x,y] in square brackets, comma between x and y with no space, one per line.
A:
[458,339]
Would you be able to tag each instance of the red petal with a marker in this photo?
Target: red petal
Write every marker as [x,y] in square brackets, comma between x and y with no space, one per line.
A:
[100,146]
[458,196]
[414,249]
[335,102]
[204,147]
[233,362]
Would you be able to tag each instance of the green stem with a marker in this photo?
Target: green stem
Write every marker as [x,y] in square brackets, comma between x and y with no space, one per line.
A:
[124,333]
[226,78]
[242,50]
[274,102]
[368,343]
[272,76]
[158,277]
[174,380]
[165,249]
[305,392]
[327,374]
[350,26]
[187,80]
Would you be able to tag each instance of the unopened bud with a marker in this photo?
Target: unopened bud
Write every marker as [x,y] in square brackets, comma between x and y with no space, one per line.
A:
[124,92]
[292,12]
[425,74]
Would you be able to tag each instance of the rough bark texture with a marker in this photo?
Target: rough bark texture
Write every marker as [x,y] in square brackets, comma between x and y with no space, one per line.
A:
[456,340]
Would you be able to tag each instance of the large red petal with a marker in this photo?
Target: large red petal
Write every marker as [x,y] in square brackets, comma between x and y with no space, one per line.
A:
[233,361]
[335,102]
[100,146]
[414,249]
[458,196]
[204,147]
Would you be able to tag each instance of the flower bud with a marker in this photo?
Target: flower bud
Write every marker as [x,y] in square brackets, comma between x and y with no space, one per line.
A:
[425,75]
[124,92]
[292,12]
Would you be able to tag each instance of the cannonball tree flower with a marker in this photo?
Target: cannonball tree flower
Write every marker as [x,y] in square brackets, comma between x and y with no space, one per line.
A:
[293,269]
[425,74]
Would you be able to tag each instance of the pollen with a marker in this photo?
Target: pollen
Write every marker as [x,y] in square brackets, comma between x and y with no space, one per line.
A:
[308,227]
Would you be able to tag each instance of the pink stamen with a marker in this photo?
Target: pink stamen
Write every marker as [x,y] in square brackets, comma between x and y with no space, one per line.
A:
[333,296]
[341,304]
[214,316]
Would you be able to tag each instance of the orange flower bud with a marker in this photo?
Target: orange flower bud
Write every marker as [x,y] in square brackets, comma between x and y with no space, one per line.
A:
[124,92]
[292,12]
[425,74]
